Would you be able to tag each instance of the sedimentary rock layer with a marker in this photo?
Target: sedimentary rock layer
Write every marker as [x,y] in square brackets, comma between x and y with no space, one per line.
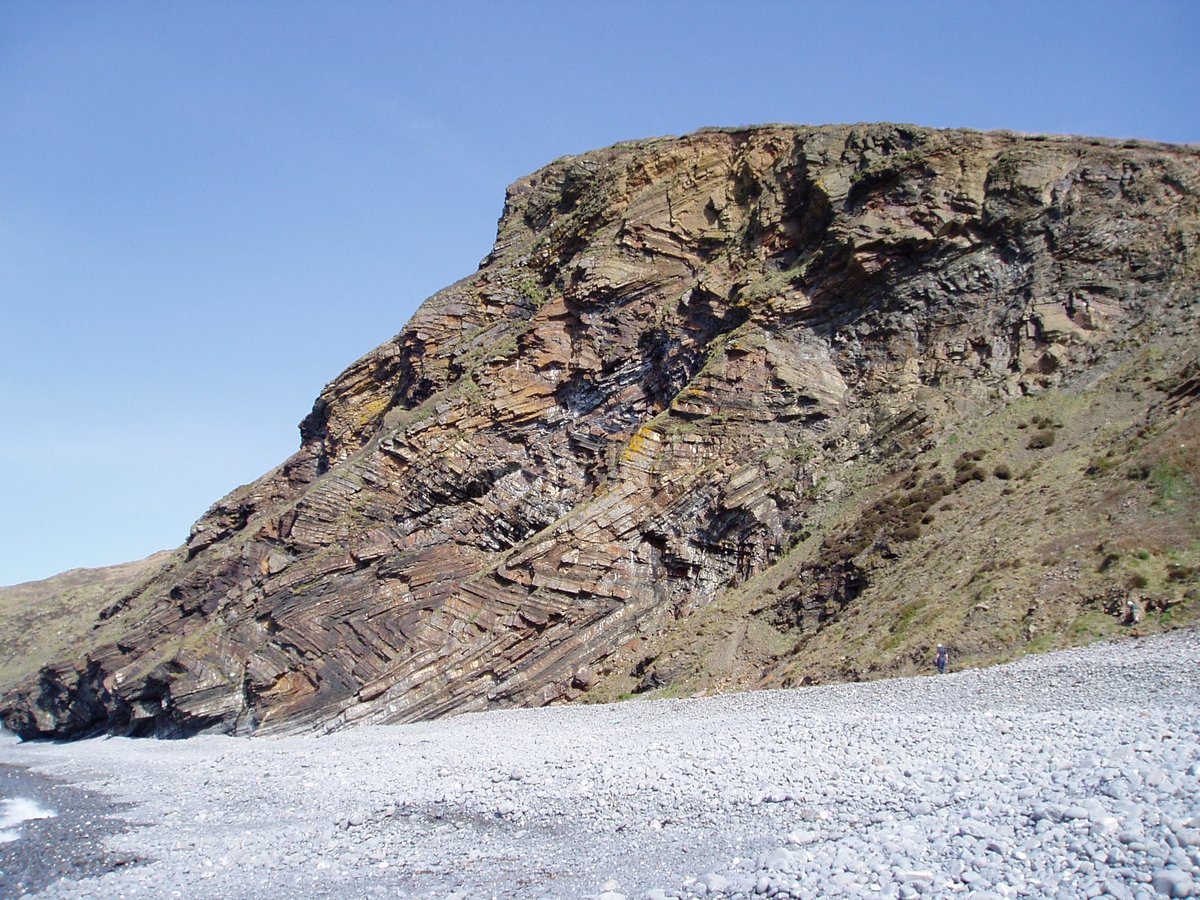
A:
[630,409]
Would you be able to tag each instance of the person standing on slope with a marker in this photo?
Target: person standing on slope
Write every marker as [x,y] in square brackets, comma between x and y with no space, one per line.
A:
[943,659]
[1133,612]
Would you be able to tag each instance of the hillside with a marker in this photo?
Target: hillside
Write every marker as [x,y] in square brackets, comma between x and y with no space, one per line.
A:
[40,620]
[748,407]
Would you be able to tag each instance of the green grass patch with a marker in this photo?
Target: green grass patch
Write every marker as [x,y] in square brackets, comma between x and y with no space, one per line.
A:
[1042,643]
[1171,485]
[1093,625]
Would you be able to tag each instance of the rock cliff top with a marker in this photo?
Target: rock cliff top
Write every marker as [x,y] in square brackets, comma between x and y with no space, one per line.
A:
[746,407]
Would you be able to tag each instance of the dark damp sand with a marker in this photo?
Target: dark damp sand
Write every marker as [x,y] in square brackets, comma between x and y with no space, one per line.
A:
[69,844]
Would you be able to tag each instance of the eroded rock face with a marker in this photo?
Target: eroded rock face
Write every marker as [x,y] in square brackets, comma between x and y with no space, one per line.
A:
[628,410]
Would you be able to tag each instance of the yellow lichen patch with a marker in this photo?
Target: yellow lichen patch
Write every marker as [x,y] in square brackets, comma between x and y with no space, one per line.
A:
[371,410]
[637,445]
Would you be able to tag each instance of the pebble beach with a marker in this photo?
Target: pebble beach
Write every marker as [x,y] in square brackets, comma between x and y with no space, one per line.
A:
[1070,775]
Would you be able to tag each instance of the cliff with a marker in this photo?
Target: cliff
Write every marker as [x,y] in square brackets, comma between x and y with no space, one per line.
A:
[746,407]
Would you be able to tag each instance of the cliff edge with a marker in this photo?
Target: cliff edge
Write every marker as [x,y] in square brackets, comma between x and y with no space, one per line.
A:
[747,407]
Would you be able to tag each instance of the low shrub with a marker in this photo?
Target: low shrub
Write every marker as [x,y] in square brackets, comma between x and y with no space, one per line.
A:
[972,474]
[1040,440]
[1181,574]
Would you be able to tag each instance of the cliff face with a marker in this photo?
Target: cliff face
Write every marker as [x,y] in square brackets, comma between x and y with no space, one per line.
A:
[704,408]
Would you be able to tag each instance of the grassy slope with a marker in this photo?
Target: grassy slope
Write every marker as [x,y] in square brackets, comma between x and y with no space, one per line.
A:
[39,620]
[1042,558]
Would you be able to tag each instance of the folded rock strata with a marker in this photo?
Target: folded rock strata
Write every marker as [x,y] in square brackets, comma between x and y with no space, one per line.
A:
[637,404]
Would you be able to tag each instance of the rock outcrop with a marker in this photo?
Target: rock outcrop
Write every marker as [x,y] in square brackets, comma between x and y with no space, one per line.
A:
[727,368]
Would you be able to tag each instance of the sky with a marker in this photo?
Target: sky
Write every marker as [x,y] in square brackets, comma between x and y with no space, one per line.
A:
[209,209]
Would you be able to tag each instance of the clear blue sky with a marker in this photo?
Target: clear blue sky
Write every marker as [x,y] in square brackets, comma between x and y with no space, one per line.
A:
[208,210]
